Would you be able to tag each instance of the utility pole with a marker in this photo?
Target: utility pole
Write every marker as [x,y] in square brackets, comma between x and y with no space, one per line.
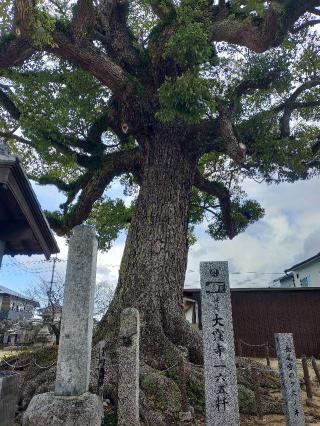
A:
[52,276]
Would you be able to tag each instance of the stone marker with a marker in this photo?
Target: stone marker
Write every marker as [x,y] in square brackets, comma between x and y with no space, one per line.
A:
[128,385]
[71,404]
[8,397]
[221,389]
[73,367]
[290,385]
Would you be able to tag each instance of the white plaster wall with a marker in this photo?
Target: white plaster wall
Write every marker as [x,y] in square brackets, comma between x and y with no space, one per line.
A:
[188,315]
[312,269]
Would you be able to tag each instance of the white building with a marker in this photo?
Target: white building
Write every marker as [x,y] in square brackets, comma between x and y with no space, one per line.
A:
[303,274]
[15,306]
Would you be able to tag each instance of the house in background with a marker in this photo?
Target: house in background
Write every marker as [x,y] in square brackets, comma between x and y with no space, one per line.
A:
[303,274]
[190,308]
[14,306]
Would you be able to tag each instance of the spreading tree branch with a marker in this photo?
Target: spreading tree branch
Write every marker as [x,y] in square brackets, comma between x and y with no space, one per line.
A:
[83,17]
[248,86]
[7,103]
[114,164]
[14,51]
[259,34]
[117,38]
[217,189]
[96,63]
[290,105]
[24,12]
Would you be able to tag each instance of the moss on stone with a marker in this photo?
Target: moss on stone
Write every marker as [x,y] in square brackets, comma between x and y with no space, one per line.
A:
[163,392]
[196,394]
[110,419]
[246,400]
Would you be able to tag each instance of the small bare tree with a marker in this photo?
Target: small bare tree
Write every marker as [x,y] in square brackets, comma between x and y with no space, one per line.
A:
[102,299]
[50,296]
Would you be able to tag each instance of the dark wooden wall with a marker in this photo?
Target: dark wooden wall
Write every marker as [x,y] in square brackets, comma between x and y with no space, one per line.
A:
[259,313]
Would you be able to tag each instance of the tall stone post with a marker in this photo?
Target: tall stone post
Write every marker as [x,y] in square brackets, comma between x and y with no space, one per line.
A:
[221,391]
[290,384]
[74,355]
[128,384]
[71,404]
[2,248]
[8,397]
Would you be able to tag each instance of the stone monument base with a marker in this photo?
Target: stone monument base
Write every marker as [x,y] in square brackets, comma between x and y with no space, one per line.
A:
[50,409]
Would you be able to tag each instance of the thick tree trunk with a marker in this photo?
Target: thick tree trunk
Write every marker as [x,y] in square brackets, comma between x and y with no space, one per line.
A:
[154,263]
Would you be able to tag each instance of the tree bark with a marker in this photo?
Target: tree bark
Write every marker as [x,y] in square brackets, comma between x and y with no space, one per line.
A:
[153,266]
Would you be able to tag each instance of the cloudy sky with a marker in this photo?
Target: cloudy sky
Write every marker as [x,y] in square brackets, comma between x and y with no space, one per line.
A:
[289,232]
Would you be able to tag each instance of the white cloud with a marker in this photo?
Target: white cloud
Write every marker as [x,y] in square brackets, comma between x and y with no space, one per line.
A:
[289,232]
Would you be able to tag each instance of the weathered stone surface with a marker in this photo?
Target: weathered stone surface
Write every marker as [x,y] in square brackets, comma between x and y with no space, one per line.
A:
[73,367]
[8,397]
[290,385]
[52,410]
[128,385]
[219,357]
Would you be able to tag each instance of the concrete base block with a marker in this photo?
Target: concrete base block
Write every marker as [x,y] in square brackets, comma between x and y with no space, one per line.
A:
[50,409]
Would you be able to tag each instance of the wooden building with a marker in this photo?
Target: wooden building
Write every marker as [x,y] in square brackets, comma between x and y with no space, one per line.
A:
[258,313]
[23,226]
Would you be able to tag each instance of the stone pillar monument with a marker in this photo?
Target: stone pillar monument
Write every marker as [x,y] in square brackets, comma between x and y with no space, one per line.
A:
[128,385]
[8,397]
[71,404]
[290,384]
[221,391]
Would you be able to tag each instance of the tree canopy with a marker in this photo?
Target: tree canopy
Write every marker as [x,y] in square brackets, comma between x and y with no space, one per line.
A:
[83,84]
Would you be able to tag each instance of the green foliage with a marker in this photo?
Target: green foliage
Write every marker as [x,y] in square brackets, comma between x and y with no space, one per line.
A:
[189,45]
[6,9]
[187,97]
[60,102]
[43,26]
[243,214]
[109,217]
[109,419]
[253,7]
[54,98]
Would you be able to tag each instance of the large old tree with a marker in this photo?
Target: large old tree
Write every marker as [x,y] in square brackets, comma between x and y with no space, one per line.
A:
[182,99]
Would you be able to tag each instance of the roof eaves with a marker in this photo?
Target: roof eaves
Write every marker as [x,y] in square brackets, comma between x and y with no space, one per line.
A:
[46,241]
[298,265]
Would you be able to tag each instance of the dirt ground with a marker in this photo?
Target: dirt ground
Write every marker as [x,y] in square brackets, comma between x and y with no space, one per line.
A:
[312,414]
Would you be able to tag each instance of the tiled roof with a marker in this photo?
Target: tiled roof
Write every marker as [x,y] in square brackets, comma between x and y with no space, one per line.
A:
[6,290]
